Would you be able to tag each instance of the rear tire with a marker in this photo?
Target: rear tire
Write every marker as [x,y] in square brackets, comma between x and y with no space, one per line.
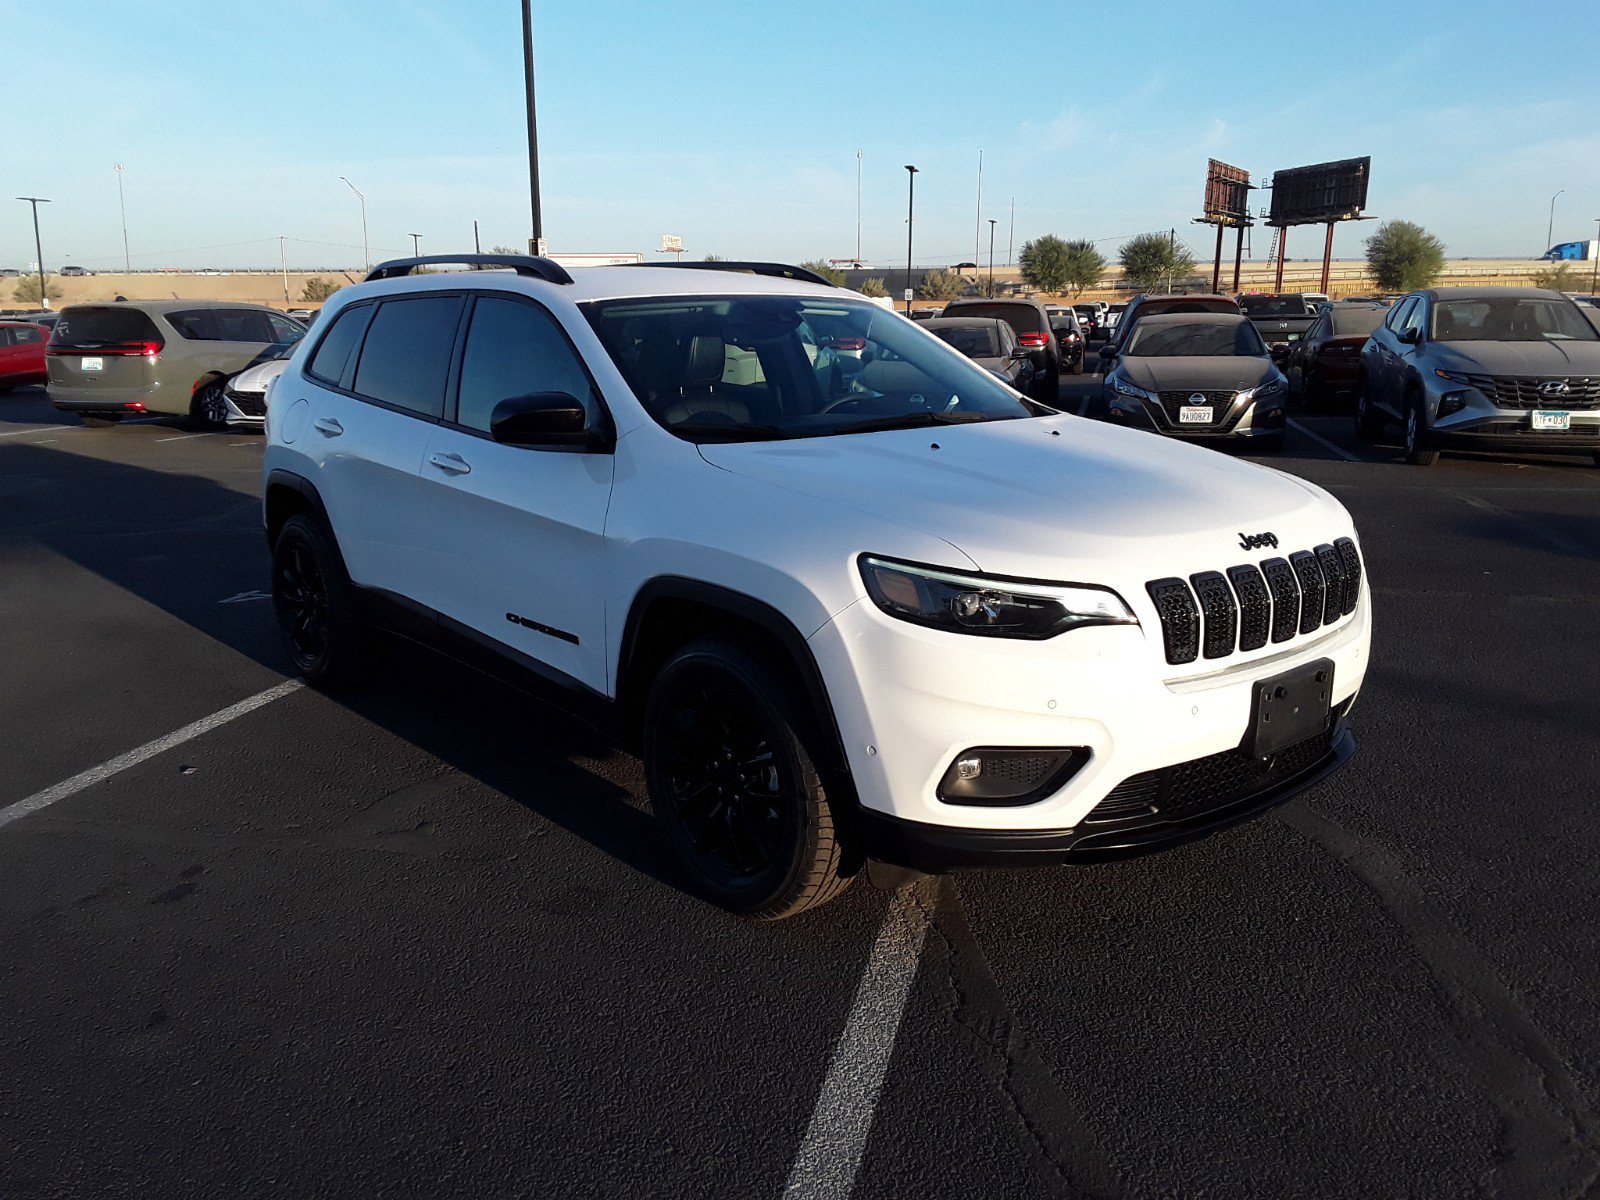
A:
[315,603]
[1416,455]
[730,763]
[100,420]
[1077,366]
[1369,420]
[208,410]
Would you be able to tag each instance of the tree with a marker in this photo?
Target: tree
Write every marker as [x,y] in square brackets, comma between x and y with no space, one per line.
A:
[28,289]
[318,289]
[1152,260]
[831,273]
[1403,256]
[1044,263]
[939,284]
[1085,265]
[873,288]
[713,258]
[990,287]
[506,250]
[1558,278]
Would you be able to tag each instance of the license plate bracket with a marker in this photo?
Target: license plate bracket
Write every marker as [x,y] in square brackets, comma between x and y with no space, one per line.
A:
[1290,708]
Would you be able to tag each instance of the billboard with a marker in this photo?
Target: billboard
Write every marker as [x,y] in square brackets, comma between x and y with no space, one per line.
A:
[1227,194]
[1331,191]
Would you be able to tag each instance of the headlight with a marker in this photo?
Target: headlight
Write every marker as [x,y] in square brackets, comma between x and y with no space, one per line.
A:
[1453,376]
[1122,387]
[988,606]
[1271,387]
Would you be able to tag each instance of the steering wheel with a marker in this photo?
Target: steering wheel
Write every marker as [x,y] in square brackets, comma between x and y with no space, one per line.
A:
[840,403]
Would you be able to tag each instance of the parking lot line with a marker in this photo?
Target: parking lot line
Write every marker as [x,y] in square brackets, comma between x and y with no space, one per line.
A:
[830,1155]
[94,775]
[181,437]
[1322,441]
[41,429]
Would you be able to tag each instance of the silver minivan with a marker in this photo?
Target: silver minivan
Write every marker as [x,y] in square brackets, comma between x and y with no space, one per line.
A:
[127,358]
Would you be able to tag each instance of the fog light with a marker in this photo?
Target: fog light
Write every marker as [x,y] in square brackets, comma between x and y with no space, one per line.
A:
[1452,402]
[1266,418]
[992,775]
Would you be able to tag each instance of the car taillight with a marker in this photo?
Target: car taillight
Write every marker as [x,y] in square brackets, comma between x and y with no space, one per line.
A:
[140,349]
[848,344]
[1032,341]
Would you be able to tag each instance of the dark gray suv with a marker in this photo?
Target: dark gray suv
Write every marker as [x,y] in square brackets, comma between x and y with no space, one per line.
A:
[1483,368]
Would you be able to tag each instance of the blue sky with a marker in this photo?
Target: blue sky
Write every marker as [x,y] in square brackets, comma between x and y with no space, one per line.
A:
[736,124]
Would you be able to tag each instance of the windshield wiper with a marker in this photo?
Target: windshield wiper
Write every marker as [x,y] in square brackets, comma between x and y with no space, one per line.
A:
[716,431]
[916,420]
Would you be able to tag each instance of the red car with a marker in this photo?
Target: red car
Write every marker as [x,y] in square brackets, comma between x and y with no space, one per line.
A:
[21,354]
[1324,364]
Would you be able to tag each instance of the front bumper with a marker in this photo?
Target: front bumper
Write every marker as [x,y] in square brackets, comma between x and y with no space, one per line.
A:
[246,408]
[1483,425]
[1244,420]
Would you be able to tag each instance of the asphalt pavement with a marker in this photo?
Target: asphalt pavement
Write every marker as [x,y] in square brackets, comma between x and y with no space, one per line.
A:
[423,940]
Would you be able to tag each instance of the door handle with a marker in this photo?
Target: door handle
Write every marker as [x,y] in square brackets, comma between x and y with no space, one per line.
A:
[453,463]
[327,425]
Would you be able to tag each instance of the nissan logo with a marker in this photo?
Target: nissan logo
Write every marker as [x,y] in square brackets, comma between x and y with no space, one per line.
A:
[1555,387]
[1197,397]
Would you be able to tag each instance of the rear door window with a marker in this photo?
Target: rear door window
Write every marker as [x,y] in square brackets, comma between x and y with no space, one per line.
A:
[332,355]
[405,360]
[243,325]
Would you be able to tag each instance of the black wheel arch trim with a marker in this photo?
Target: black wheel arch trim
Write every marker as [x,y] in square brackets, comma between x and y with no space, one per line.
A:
[278,478]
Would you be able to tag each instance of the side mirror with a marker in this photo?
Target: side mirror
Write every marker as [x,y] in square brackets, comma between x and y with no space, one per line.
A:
[1411,336]
[1278,351]
[541,419]
[1107,351]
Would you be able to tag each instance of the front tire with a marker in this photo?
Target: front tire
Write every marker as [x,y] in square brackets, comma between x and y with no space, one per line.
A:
[315,603]
[1415,453]
[729,760]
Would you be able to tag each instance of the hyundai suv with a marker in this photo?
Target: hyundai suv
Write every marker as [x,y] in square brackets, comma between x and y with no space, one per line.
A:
[899,614]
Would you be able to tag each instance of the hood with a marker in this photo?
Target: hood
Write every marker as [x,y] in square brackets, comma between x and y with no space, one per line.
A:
[256,378]
[1207,373]
[1060,498]
[1518,358]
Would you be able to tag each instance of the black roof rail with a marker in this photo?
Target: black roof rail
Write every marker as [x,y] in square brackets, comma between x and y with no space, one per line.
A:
[774,270]
[523,264]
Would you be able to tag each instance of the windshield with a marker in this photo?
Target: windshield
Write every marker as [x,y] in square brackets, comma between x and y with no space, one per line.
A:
[1196,339]
[1357,322]
[974,343]
[741,368]
[1510,319]
[1272,306]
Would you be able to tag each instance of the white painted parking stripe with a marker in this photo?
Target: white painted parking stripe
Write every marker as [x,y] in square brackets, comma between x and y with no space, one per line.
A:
[181,437]
[1084,407]
[44,429]
[830,1154]
[94,775]
[1320,440]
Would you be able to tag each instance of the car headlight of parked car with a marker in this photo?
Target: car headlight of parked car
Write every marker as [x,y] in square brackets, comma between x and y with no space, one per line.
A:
[988,606]
[1123,387]
[1265,391]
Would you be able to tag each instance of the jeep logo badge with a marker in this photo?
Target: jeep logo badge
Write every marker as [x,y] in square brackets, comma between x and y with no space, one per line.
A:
[1253,541]
[1554,387]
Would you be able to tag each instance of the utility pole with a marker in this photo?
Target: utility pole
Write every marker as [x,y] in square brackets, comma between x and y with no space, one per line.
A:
[977,227]
[992,224]
[416,244]
[127,259]
[476,247]
[1172,257]
[38,247]
[858,208]
[911,211]
[366,248]
[283,260]
[1011,243]
[538,246]
[1549,234]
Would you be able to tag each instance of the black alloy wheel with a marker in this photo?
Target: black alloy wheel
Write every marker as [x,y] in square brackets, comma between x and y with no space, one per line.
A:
[314,602]
[1416,453]
[209,409]
[734,785]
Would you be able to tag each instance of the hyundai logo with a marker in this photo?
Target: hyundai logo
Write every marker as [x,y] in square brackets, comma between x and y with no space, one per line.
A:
[1554,387]
[1251,541]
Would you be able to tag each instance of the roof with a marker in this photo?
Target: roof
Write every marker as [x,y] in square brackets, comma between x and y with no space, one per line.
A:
[162,306]
[608,283]
[1158,320]
[1493,293]
[961,322]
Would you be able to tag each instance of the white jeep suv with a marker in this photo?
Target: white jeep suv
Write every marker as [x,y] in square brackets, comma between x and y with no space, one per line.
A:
[849,596]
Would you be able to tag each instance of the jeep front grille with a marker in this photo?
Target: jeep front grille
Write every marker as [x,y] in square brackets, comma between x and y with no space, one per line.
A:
[1221,612]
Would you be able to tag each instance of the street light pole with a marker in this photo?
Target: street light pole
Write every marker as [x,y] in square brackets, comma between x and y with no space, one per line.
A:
[38,247]
[1594,271]
[1549,234]
[858,208]
[533,127]
[366,248]
[992,224]
[1011,242]
[127,259]
[416,244]
[911,212]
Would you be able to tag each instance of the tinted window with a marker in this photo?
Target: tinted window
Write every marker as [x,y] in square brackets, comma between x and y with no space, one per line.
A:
[285,330]
[333,353]
[19,336]
[406,357]
[85,328]
[196,325]
[1024,318]
[243,325]
[514,349]
[1273,306]
[974,343]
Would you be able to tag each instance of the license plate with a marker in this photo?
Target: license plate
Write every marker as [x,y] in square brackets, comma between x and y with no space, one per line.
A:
[1194,414]
[92,364]
[1290,708]
[1552,420]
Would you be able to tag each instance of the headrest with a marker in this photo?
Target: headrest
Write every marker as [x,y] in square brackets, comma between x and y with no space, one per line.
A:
[705,361]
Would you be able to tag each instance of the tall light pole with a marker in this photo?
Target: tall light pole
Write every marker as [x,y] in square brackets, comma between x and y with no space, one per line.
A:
[858,208]
[1549,234]
[911,212]
[1011,242]
[977,225]
[416,244]
[38,247]
[992,224]
[283,261]
[127,259]
[366,248]
[538,246]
